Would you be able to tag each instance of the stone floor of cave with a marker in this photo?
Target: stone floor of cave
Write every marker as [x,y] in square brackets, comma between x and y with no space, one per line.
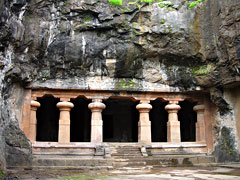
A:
[228,172]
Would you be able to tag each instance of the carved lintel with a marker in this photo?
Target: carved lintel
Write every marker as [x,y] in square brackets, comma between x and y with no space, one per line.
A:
[173,99]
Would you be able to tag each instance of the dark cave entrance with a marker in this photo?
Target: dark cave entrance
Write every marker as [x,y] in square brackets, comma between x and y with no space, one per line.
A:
[80,121]
[158,117]
[47,119]
[120,121]
[188,118]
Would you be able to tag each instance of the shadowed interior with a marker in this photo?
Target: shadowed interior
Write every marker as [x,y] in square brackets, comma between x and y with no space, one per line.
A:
[80,122]
[158,117]
[120,121]
[47,119]
[188,118]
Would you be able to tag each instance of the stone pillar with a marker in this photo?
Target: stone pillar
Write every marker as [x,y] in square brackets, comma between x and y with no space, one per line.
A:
[173,125]
[200,125]
[144,124]
[33,120]
[96,122]
[64,121]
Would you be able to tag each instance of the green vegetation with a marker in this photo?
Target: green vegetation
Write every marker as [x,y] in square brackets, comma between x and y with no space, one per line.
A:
[87,19]
[125,84]
[116,2]
[195,3]
[2,175]
[202,70]
[161,3]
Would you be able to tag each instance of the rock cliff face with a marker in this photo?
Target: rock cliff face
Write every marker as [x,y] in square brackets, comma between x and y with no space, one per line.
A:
[78,42]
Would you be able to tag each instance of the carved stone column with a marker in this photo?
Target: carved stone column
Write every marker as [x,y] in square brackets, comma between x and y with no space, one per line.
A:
[96,122]
[33,121]
[200,125]
[173,125]
[64,121]
[144,124]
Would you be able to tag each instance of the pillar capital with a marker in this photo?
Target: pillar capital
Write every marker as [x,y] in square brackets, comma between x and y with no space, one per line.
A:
[64,99]
[173,101]
[96,105]
[144,107]
[144,101]
[174,108]
[199,108]
[65,105]
[34,105]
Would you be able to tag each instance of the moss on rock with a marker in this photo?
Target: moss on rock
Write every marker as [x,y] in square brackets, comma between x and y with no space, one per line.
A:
[226,151]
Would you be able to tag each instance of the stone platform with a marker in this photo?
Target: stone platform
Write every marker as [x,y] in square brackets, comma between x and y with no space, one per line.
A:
[117,156]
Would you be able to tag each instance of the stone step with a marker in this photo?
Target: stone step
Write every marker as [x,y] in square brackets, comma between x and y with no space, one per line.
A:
[134,169]
[128,152]
[69,162]
[168,161]
[125,150]
[128,159]
[172,153]
[128,164]
[101,168]
[181,161]
[122,148]
[135,153]
[125,156]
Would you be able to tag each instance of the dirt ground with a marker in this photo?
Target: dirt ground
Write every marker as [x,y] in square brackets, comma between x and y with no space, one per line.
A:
[178,173]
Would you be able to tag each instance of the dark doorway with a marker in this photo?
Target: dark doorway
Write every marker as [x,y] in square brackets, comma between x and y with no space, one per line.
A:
[158,117]
[80,126]
[120,121]
[188,118]
[47,119]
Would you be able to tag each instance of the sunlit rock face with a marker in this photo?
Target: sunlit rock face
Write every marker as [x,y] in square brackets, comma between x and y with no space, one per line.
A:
[87,44]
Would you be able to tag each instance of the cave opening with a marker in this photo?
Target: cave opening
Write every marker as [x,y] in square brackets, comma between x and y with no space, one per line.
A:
[158,117]
[80,120]
[47,119]
[120,120]
[188,118]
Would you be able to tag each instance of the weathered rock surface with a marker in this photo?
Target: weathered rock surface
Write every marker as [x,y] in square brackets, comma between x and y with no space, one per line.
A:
[74,41]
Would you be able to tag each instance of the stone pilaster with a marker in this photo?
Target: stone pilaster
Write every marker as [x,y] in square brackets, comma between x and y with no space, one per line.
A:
[173,125]
[64,121]
[200,125]
[33,120]
[96,122]
[144,124]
